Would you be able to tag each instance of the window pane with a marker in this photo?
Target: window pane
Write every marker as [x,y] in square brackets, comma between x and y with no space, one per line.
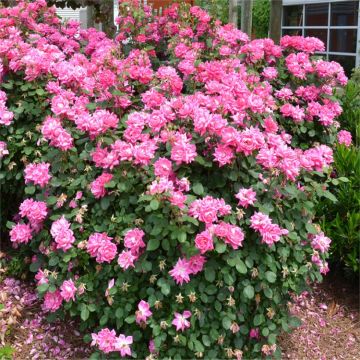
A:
[318,33]
[316,14]
[347,62]
[344,13]
[292,32]
[343,40]
[292,15]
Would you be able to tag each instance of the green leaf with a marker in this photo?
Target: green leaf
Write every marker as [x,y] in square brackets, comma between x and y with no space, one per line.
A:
[206,340]
[249,292]
[220,248]
[105,203]
[270,276]
[154,204]
[310,228]
[40,92]
[210,274]
[294,322]
[241,267]
[259,319]
[153,244]
[30,190]
[130,319]
[226,323]
[119,313]
[198,189]
[84,313]
[42,288]
[329,196]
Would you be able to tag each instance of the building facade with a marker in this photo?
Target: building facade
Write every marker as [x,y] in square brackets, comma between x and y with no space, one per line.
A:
[336,23]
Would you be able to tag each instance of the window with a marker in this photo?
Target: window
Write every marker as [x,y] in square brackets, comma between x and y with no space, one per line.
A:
[333,22]
[293,15]
[344,13]
[316,14]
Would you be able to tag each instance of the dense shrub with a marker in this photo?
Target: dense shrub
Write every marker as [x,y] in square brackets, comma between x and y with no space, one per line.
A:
[341,220]
[170,176]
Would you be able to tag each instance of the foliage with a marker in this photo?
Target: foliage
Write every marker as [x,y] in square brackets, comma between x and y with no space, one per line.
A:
[170,178]
[341,220]
[261,18]
[6,352]
[216,8]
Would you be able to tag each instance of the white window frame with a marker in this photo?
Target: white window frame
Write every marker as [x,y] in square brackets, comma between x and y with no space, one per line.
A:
[328,27]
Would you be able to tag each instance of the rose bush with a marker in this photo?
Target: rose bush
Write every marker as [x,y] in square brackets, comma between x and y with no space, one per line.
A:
[165,181]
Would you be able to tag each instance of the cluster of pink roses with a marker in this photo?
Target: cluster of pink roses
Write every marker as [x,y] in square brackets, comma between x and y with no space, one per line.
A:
[270,233]
[99,245]
[62,234]
[107,341]
[230,115]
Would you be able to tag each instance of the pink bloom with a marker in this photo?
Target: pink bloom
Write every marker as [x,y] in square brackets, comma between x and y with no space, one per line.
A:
[344,137]
[20,233]
[196,264]
[181,271]
[41,278]
[122,344]
[183,151]
[232,234]
[163,167]
[101,246]
[68,290]
[97,187]
[52,301]
[208,209]
[246,197]
[62,234]
[177,198]
[37,173]
[126,259]
[35,211]
[110,286]
[3,149]
[105,339]
[321,242]
[143,312]
[133,240]
[254,333]
[204,241]
[223,154]
[180,321]
[269,232]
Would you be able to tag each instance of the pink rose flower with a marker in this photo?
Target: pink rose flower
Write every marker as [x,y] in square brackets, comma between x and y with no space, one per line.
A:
[68,290]
[180,321]
[52,301]
[143,312]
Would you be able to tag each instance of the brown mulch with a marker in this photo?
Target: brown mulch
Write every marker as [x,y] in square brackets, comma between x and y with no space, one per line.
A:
[330,327]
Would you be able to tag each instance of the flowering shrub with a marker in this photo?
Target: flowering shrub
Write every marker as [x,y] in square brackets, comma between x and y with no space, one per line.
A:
[169,175]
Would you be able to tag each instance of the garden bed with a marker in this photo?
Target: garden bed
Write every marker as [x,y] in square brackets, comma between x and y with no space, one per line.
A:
[330,329]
